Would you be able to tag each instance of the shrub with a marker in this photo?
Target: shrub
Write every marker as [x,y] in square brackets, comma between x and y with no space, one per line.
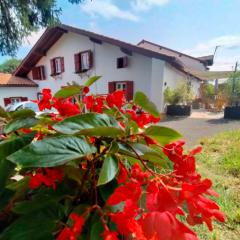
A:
[182,94]
[98,170]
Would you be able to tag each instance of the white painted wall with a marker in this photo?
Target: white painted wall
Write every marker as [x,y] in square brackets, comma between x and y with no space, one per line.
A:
[7,92]
[104,61]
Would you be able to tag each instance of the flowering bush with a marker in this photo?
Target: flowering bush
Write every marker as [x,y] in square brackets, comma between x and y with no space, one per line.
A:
[98,170]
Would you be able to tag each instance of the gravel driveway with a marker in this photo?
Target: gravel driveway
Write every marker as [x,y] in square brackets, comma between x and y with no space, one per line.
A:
[200,124]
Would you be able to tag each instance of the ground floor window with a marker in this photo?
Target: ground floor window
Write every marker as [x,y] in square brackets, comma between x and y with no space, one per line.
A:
[14,100]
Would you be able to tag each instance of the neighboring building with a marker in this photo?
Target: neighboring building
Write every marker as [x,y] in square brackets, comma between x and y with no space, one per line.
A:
[64,54]
[16,89]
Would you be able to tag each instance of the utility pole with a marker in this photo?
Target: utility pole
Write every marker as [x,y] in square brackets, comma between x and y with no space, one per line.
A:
[234,77]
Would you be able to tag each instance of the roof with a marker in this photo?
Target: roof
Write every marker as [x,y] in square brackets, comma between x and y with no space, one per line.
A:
[51,35]
[208,59]
[152,46]
[8,80]
[211,75]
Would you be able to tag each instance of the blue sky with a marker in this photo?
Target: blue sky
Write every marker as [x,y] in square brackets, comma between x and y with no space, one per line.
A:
[192,26]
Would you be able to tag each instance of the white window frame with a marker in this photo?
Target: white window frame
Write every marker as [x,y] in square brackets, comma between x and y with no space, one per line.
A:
[15,100]
[57,62]
[85,64]
[120,86]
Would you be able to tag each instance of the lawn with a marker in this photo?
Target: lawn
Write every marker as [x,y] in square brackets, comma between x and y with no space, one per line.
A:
[220,161]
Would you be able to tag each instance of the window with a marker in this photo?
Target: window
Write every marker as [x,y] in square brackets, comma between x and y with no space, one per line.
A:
[121,86]
[83,61]
[15,100]
[57,66]
[38,73]
[122,62]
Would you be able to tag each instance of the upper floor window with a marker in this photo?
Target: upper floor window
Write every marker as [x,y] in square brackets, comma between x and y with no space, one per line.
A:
[57,65]
[122,62]
[83,61]
[38,73]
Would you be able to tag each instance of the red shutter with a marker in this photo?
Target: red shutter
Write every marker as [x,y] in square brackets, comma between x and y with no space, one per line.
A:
[7,101]
[125,61]
[62,64]
[111,87]
[129,93]
[53,69]
[42,73]
[77,61]
[23,99]
[34,73]
[90,59]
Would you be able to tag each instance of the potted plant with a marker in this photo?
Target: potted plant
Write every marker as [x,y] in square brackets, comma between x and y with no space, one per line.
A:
[233,86]
[104,173]
[179,100]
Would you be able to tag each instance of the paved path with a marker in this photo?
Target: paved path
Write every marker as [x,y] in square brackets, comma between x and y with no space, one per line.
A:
[200,124]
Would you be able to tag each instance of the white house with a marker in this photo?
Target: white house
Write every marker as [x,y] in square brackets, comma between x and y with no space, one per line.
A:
[64,54]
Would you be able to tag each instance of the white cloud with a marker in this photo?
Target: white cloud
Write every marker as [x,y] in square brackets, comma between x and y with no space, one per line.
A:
[32,39]
[108,10]
[227,54]
[206,48]
[144,5]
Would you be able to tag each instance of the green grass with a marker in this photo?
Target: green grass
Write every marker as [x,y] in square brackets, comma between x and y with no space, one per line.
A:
[220,161]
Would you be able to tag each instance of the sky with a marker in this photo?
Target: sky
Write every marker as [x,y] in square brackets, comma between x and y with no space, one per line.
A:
[194,27]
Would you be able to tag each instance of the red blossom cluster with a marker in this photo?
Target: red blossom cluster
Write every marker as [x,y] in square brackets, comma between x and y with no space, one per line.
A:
[165,198]
[45,176]
[64,106]
[72,233]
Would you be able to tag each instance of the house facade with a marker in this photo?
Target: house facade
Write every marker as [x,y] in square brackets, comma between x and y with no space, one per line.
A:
[65,54]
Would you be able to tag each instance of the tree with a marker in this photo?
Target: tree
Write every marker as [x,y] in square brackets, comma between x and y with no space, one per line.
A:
[9,65]
[233,84]
[19,18]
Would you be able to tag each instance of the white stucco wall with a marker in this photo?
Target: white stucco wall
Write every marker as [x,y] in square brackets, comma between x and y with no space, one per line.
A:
[7,92]
[104,61]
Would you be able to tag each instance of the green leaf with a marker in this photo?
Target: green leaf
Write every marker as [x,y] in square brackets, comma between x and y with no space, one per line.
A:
[109,170]
[6,148]
[96,231]
[68,91]
[23,113]
[102,132]
[5,196]
[107,190]
[142,101]
[162,135]
[33,226]
[52,152]
[91,80]
[80,122]
[114,147]
[20,123]
[3,113]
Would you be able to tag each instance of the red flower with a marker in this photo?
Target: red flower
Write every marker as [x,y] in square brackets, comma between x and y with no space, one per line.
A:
[85,90]
[130,190]
[164,226]
[108,235]
[49,178]
[137,174]
[116,99]
[89,102]
[45,103]
[72,233]
[66,107]
[123,173]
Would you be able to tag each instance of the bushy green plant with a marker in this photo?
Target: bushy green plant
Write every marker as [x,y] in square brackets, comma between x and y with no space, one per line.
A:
[182,94]
[233,88]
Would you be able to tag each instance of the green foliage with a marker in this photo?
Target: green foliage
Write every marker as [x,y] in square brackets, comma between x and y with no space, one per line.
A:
[182,94]
[10,65]
[142,100]
[208,90]
[20,18]
[233,88]
[222,151]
